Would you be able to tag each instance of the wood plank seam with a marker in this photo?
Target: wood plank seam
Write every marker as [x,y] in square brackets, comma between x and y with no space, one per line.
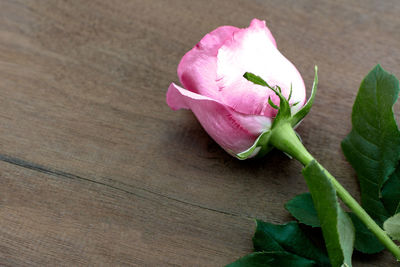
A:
[53,172]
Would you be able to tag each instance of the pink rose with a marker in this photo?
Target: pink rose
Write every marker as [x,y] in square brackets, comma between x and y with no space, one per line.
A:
[233,110]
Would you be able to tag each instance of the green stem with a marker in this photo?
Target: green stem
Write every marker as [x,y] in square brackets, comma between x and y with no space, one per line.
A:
[364,217]
[284,138]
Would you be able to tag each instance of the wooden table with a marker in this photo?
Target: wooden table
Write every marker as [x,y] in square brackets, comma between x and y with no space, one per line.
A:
[95,169]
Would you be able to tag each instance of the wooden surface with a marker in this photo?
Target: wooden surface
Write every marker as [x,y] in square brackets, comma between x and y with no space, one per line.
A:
[95,169]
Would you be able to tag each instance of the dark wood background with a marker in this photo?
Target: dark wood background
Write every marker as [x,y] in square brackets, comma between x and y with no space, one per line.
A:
[95,169]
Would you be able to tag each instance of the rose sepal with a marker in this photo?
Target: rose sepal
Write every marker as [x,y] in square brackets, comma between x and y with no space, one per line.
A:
[296,119]
[262,144]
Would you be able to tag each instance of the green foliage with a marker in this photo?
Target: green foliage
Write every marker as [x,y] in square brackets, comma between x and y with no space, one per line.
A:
[302,208]
[392,226]
[373,149]
[272,259]
[337,228]
[373,145]
[391,192]
[287,237]
[282,245]
[366,241]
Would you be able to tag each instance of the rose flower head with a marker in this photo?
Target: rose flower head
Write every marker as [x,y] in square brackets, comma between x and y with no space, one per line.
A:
[238,112]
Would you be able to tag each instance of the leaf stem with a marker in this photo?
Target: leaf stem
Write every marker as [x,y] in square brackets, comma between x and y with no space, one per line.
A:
[285,139]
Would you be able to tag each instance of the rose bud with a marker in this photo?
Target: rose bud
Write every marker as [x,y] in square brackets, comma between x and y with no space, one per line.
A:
[235,111]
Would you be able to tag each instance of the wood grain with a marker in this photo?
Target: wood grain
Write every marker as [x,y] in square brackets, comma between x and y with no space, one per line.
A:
[95,169]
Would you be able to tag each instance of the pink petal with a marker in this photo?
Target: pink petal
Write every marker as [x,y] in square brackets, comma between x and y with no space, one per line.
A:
[197,70]
[260,24]
[253,50]
[233,131]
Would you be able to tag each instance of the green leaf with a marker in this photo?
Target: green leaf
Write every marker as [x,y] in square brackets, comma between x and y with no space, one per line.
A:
[366,241]
[272,259]
[391,192]
[289,238]
[302,208]
[337,228]
[306,108]
[373,145]
[392,226]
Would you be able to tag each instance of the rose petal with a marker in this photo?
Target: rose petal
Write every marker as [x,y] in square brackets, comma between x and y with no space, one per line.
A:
[256,23]
[252,50]
[233,131]
[197,70]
